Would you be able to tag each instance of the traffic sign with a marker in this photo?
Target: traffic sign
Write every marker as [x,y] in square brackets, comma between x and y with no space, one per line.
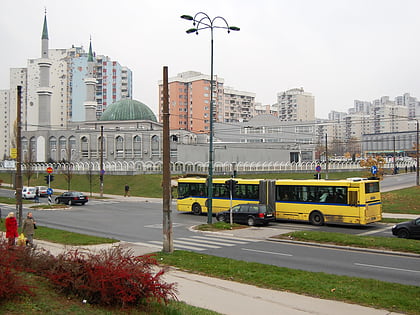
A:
[50,191]
[102,172]
[374,169]
[318,168]
[49,170]
[13,153]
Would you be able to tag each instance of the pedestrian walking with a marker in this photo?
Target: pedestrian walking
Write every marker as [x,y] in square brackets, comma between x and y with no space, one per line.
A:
[37,195]
[11,229]
[28,229]
[126,191]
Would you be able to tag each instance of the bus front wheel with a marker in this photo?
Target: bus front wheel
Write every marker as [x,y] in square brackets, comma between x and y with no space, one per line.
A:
[196,209]
[316,218]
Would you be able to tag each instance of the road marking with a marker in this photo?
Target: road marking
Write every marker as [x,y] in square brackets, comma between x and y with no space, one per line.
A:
[206,241]
[265,252]
[160,225]
[234,238]
[384,267]
[221,239]
[375,231]
[181,246]
[192,243]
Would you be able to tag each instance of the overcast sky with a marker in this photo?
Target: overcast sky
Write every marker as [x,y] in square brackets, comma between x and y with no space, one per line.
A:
[338,50]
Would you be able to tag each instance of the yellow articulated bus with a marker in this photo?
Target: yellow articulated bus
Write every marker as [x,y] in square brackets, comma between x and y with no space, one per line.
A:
[350,201]
[192,194]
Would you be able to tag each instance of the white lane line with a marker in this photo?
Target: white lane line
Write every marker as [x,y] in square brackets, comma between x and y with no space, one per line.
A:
[183,246]
[384,267]
[176,242]
[220,239]
[199,241]
[235,238]
[265,252]
[375,231]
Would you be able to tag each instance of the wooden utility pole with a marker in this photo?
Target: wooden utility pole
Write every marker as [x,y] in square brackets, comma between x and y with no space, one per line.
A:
[19,156]
[166,182]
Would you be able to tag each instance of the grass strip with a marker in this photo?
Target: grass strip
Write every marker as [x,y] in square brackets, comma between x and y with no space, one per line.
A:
[402,201]
[367,292]
[46,300]
[66,237]
[376,242]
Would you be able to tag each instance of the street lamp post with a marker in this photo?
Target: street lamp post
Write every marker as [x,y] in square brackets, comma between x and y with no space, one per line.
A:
[202,21]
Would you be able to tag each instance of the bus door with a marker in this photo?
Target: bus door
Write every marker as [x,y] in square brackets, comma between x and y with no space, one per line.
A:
[268,193]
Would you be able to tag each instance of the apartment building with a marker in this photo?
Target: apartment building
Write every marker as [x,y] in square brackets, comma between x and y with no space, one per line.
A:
[189,101]
[238,106]
[295,105]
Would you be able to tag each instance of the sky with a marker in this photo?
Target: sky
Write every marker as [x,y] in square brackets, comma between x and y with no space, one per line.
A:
[337,50]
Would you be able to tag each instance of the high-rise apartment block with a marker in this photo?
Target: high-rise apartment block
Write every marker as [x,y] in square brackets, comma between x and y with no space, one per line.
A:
[238,106]
[379,116]
[189,101]
[295,105]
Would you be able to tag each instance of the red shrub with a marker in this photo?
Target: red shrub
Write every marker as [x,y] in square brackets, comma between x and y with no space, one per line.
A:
[111,277]
[11,283]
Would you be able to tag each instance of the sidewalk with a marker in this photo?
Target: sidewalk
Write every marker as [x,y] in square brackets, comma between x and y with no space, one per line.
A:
[233,298]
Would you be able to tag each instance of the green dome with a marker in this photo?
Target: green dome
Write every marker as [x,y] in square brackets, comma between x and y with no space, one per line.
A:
[128,110]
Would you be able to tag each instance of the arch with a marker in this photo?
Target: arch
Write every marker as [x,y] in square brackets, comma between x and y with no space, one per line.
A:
[137,146]
[155,145]
[119,147]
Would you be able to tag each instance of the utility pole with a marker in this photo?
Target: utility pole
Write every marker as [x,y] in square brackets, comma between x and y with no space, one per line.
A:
[417,154]
[101,176]
[393,156]
[326,156]
[166,181]
[19,156]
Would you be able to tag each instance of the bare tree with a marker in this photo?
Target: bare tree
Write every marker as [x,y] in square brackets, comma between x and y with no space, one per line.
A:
[29,163]
[68,168]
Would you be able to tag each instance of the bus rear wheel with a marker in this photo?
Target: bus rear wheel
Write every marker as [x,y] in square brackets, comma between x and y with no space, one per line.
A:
[196,209]
[316,218]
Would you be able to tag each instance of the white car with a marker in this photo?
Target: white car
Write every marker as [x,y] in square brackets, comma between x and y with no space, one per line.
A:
[42,191]
[28,192]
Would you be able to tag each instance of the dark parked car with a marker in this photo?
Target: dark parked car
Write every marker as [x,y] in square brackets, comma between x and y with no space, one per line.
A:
[72,197]
[250,213]
[410,229]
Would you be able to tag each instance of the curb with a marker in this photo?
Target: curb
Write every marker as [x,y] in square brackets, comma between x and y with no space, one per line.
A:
[359,249]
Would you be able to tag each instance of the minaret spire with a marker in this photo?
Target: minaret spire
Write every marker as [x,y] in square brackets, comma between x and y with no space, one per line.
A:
[90,57]
[90,82]
[44,52]
[44,90]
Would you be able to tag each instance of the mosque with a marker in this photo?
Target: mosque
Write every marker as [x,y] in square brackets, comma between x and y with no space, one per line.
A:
[127,132]
[128,138]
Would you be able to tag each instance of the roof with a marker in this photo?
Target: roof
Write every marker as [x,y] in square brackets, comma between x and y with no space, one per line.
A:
[128,110]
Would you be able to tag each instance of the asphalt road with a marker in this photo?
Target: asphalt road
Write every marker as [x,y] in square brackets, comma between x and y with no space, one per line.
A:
[141,222]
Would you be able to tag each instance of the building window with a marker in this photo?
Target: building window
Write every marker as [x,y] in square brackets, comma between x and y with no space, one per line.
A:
[119,147]
[137,146]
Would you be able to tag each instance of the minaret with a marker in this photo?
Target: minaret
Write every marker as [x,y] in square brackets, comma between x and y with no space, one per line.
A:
[90,81]
[44,91]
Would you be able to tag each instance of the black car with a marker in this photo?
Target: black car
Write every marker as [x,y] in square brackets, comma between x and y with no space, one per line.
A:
[410,229]
[72,197]
[251,214]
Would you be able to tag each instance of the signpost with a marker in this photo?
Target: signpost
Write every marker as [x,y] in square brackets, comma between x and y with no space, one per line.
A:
[318,170]
[49,171]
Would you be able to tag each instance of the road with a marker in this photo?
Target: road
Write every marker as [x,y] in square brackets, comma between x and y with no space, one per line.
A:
[141,222]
